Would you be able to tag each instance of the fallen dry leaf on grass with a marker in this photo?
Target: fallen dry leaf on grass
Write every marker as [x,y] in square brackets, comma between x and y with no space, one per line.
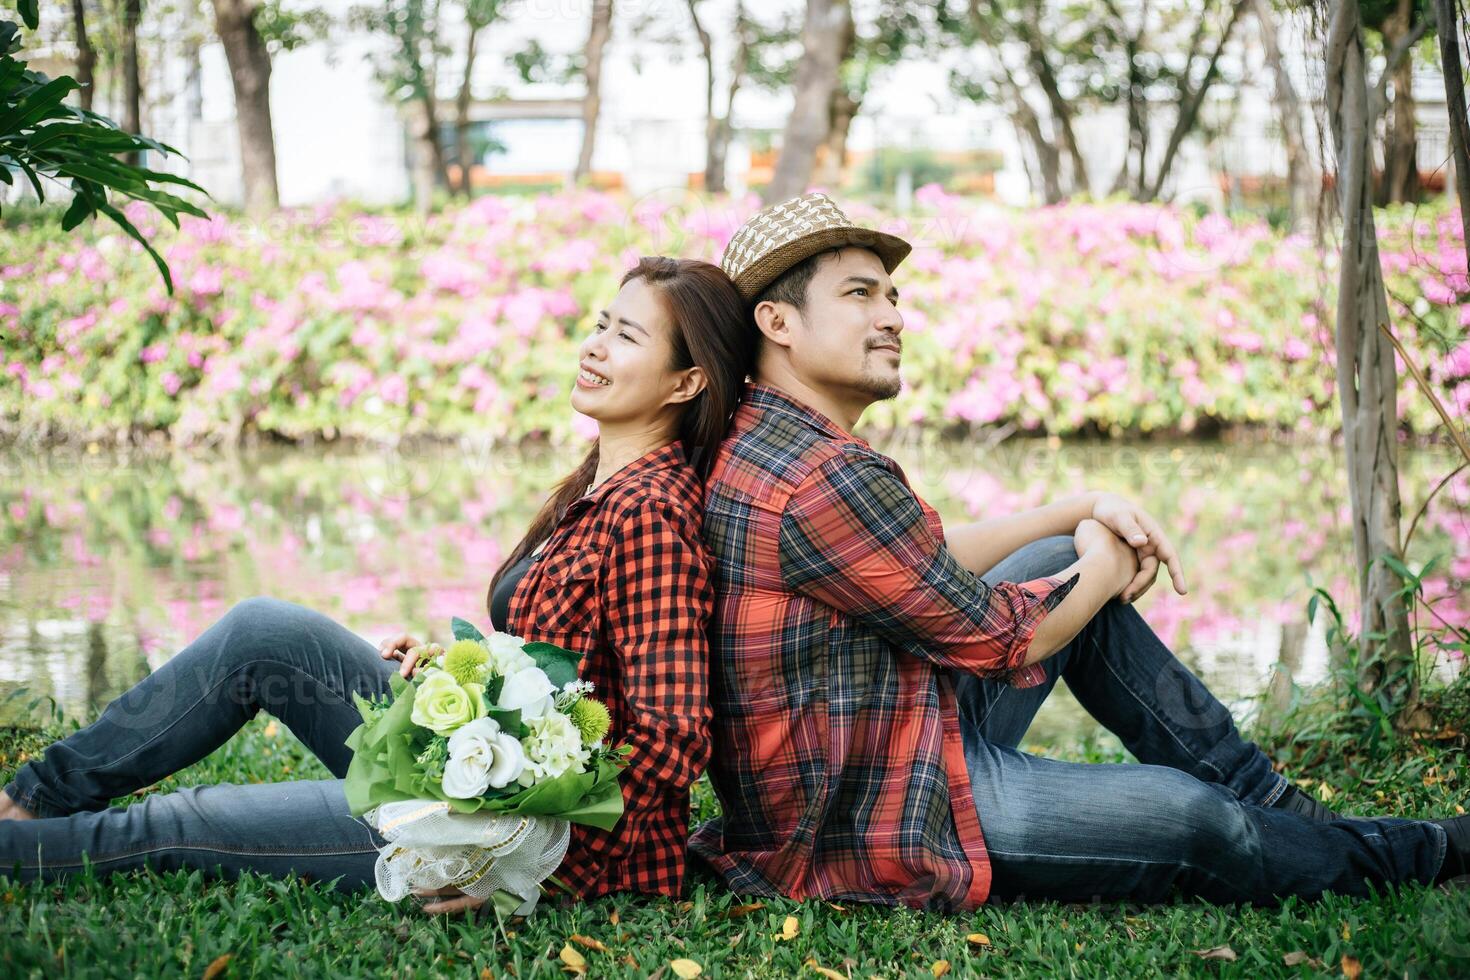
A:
[1297,958]
[685,969]
[940,968]
[573,960]
[587,942]
[978,939]
[1351,968]
[789,929]
[829,974]
[1218,953]
[217,967]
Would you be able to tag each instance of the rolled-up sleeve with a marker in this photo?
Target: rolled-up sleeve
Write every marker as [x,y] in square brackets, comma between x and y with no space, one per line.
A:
[659,596]
[853,536]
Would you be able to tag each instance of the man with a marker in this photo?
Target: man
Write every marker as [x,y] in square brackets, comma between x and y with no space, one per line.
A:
[873,675]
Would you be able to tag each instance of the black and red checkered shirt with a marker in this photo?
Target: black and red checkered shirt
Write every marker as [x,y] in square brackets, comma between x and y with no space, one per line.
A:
[839,761]
[626,581]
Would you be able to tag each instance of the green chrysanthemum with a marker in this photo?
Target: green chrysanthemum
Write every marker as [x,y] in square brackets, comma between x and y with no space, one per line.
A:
[465,661]
[591,719]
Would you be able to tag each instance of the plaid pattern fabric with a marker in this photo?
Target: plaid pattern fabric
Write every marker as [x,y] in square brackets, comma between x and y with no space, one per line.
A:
[626,581]
[838,756]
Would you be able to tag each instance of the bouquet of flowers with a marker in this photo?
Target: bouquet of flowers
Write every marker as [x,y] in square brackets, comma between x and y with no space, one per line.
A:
[473,770]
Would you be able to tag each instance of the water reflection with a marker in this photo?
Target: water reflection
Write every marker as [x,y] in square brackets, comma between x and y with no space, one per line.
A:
[109,565]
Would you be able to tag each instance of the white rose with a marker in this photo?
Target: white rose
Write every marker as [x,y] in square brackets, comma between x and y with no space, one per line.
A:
[553,747]
[481,757]
[529,690]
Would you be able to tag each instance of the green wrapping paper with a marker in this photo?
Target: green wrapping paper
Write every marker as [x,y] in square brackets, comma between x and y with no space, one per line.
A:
[384,769]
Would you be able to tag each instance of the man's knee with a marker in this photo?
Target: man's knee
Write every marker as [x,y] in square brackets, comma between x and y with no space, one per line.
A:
[1036,559]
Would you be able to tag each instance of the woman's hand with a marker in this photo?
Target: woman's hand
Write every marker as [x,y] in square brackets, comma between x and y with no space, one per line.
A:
[1091,537]
[448,902]
[408,650]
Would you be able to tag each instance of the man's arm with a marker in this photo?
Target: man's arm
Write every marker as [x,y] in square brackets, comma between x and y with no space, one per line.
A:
[854,537]
[979,546]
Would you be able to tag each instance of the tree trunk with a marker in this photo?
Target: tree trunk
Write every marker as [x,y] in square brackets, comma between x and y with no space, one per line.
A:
[1045,158]
[1061,111]
[822,37]
[462,114]
[597,36]
[1303,185]
[1400,159]
[86,55]
[132,76]
[711,123]
[834,147]
[1454,93]
[1189,106]
[250,71]
[428,151]
[1366,379]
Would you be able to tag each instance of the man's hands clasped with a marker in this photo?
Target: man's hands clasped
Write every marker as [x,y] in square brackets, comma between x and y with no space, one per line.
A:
[1134,530]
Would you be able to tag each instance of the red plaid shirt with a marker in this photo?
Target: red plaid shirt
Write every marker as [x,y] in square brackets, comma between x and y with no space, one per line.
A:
[626,581]
[838,755]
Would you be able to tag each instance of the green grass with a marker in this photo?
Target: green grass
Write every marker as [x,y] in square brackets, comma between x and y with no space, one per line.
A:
[178,924]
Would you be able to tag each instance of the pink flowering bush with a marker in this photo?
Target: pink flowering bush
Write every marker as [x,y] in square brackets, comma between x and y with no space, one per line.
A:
[1112,318]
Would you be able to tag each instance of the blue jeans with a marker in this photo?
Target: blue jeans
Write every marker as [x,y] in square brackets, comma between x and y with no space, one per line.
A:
[264,654]
[1194,815]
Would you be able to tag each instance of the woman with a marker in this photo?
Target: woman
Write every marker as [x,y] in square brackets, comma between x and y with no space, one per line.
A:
[613,567]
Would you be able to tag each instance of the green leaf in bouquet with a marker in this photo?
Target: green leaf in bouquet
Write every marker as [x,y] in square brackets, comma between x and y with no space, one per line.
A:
[559,665]
[509,721]
[463,629]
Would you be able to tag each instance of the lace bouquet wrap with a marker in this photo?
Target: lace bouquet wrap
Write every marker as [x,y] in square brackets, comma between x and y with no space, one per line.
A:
[474,770]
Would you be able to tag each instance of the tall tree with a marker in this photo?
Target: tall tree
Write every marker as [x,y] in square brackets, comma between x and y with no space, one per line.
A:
[1191,92]
[250,74]
[598,33]
[1366,380]
[719,127]
[1401,23]
[86,55]
[478,15]
[893,31]
[408,67]
[132,16]
[1454,93]
[824,30]
[1304,186]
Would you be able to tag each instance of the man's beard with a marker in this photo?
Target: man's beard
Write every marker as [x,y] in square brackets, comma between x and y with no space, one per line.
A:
[879,389]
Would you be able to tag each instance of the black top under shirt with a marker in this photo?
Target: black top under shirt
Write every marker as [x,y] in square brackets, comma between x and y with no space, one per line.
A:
[500,600]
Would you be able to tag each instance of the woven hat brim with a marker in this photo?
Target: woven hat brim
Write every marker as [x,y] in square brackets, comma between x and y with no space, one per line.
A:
[890,249]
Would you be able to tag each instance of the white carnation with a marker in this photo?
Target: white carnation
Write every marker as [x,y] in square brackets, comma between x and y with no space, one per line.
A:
[481,757]
[506,654]
[553,747]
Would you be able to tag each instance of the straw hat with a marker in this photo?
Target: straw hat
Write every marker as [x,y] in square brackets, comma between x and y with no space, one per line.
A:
[779,237]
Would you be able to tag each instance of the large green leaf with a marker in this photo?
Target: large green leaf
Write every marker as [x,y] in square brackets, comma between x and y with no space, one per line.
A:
[560,665]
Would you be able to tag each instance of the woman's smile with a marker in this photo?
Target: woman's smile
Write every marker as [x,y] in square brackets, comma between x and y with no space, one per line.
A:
[588,378]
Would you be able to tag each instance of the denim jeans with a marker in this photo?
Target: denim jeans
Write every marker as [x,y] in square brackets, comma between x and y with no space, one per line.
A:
[264,654]
[1194,815]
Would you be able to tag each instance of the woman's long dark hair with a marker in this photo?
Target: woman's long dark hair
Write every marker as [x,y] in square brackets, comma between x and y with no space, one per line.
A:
[712,332]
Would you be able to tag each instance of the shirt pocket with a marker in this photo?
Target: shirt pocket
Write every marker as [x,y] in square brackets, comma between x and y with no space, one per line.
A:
[568,599]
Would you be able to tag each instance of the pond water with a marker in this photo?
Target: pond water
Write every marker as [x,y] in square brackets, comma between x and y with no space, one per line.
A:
[110,564]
